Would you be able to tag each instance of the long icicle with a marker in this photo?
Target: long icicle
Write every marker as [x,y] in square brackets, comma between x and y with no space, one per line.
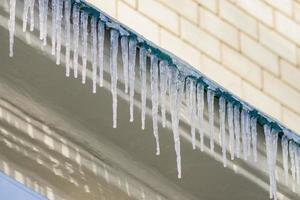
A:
[45,18]
[84,39]
[248,133]
[32,15]
[143,77]
[222,112]
[41,17]
[163,82]
[175,101]
[124,46]
[292,158]
[25,14]
[154,98]
[54,18]
[114,43]
[244,133]
[59,15]
[285,158]
[237,129]
[230,129]
[200,106]
[68,35]
[132,57]
[94,51]
[75,18]
[101,33]
[253,126]
[12,18]
[191,94]
[210,103]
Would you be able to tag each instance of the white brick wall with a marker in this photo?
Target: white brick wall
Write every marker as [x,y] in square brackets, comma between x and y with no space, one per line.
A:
[251,47]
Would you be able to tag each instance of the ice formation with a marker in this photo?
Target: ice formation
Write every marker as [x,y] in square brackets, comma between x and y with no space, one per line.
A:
[168,85]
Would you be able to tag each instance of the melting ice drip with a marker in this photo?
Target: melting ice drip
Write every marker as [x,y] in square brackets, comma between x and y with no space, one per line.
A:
[166,80]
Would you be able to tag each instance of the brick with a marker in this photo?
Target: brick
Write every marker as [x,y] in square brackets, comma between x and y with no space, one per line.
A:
[143,26]
[259,54]
[238,18]
[186,8]
[219,28]
[282,5]
[282,92]
[297,11]
[131,2]
[241,65]
[108,7]
[291,120]
[257,9]
[210,4]
[200,39]
[175,45]
[278,44]
[160,13]
[221,75]
[261,101]
[287,27]
[290,74]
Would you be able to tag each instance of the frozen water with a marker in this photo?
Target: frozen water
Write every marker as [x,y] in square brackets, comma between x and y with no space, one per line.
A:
[200,106]
[114,43]
[163,89]
[191,100]
[124,46]
[59,13]
[84,39]
[230,129]
[54,18]
[32,15]
[154,98]
[222,112]
[94,51]
[100,51]
[75,18]
[254,137]
[132,57]
[210,103]
[25,13]
[237,129]
[12,18]
[284,145]
[45,17]
[143,77]
[68,35]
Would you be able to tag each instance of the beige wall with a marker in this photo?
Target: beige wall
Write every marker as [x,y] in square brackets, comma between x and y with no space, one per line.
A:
[251,47]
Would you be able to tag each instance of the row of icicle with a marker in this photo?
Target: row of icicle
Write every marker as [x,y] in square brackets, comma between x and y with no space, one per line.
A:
[241,140]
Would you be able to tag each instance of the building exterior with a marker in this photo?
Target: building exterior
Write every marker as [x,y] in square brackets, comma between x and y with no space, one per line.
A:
[249,47]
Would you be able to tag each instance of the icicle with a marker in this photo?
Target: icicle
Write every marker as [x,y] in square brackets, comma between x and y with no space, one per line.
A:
[132,55]
[297,163]
[292,158]
[114,36]
[237,129]
[54,18]
[68,35]
[210,103]
[200,106]
[248,133]
[59,13]
[284,145]
[230,129]
[41,17]
[244,133]
[45,17]
[154,98]
[175,101]
[254,137]
[163,90]
[124,46]
[94,51]
[143,77]
[100,51]
[75,18]
[222,111]
[25,14]
[32,15]
[191,96]
[12,17]
[84,37]
[271,148]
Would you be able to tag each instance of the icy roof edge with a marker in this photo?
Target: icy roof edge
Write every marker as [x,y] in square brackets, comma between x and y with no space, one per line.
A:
[187,70]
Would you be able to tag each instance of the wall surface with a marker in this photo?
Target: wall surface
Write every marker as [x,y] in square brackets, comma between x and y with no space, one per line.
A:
[252,48]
